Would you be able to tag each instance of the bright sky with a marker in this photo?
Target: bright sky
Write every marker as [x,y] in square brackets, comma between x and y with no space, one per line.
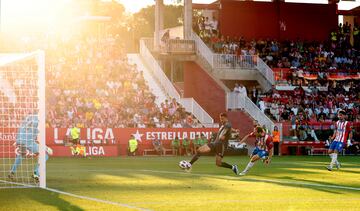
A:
[23,14]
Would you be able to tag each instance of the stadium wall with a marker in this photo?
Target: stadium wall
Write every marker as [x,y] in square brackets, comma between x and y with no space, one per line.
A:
[277,20]
[200,86]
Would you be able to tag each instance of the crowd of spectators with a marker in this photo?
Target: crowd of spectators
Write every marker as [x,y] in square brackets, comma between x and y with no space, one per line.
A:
[92,84]
[321,79]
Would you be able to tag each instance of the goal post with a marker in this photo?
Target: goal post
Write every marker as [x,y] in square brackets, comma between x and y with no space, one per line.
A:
[22,124]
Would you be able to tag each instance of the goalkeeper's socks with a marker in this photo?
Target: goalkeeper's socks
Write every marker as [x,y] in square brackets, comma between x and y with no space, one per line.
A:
[36,169]
[17,162]
[195,158]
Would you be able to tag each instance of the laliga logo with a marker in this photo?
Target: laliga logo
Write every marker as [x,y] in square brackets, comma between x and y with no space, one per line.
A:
[94,134]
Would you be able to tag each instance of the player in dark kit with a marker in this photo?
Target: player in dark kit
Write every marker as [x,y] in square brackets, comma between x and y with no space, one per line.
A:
[218,145]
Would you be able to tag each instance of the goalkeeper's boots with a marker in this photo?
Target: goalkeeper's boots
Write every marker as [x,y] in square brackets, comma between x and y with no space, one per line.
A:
[11,176]
[329,168]
[35,177]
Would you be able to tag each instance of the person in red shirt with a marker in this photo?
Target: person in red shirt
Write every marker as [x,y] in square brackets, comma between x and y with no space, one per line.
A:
[342,134]
[263,148]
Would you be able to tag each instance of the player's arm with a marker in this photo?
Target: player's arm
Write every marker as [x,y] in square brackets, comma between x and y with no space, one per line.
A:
[349,137]
[334,134]
[271,153]
[246,137]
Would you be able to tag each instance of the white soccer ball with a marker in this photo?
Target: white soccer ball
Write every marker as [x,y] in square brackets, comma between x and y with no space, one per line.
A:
[184,164]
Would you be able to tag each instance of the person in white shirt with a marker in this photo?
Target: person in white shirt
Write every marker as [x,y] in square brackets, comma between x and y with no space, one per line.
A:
[237,88]
[243,90]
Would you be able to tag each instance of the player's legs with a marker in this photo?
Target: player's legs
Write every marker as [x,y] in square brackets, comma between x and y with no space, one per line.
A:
[201,150]
[18,160]
[219,150]
[334,150]
[251,163]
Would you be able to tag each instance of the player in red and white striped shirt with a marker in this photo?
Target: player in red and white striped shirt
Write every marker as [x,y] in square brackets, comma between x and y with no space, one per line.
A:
[264,149]
[342,133]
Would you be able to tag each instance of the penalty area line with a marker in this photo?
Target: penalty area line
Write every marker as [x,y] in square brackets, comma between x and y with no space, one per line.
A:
[97,200]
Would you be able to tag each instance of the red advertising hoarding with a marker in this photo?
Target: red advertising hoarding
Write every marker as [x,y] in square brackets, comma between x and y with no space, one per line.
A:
[104,141]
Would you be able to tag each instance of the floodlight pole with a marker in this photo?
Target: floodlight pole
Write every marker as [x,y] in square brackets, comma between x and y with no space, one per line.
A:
[159,23]
[187,19]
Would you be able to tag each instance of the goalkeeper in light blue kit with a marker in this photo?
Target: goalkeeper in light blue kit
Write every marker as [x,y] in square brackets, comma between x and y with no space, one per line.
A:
[26,140]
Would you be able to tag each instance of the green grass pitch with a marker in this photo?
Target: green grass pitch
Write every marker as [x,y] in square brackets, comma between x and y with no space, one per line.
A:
[157,183]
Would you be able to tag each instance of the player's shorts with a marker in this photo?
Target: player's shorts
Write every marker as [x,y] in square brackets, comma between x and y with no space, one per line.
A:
[217,147]
[336,145]
[261,153]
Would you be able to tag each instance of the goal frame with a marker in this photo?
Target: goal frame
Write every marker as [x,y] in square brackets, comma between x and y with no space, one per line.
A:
[39,57]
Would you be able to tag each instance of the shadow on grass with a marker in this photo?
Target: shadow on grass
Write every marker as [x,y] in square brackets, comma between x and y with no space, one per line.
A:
[54,200]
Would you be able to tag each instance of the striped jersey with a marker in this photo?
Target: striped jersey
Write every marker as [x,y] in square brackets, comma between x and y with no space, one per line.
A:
[343,129]
[264,143]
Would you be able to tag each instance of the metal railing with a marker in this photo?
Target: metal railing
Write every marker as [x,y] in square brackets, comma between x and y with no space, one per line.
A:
[221,61]
[192,106]
[189,104]
[202,49]
[265,70]
[157,71]
[177,46]
[238,101]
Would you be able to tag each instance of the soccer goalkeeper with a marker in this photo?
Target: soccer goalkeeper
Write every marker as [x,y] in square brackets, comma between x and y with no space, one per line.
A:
[26,140]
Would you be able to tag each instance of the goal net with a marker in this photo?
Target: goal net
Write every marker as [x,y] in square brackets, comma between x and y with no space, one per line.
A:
[22,120]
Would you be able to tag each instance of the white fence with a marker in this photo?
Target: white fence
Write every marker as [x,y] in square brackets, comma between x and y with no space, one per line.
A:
[237,101]
[265,70]
[192,106]
[156,70]
[202,49]
[189,104]
[224,61]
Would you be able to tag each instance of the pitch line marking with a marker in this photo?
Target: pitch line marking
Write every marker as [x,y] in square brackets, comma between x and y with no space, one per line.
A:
[97,200]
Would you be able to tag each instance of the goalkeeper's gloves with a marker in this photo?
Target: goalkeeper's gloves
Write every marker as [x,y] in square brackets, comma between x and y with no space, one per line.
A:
[349,143]
[49,151]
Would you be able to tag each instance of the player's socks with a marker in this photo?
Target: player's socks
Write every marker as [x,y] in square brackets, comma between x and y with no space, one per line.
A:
[17,162]
[226,165]
[194,158]
[249,166]
[333,160]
